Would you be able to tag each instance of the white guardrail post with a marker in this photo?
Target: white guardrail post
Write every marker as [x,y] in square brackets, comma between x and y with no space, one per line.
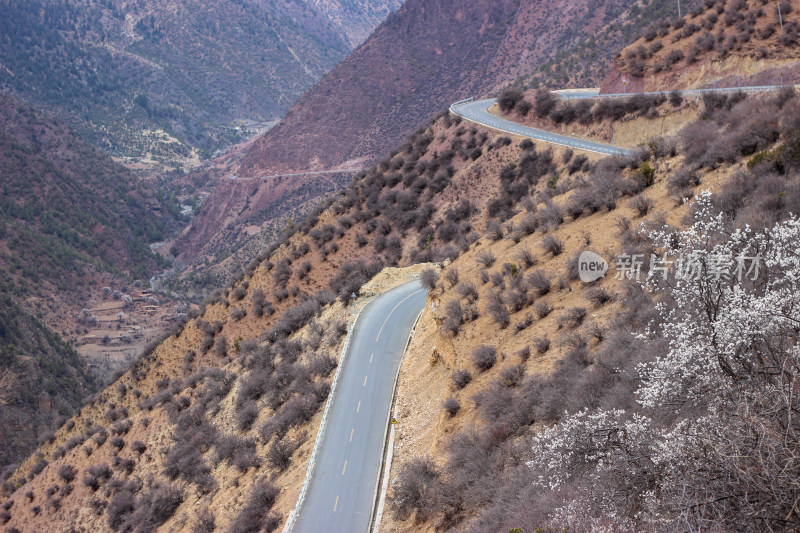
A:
[464,101]
[310,470]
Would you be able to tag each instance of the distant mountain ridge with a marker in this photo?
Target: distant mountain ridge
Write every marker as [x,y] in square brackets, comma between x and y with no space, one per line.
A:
[424,56]
[117,70]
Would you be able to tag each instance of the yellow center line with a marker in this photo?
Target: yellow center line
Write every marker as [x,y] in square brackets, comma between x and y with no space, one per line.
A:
[358,407]
[392,311]
[344,467]
[351,434]
[335,504]
[365,381]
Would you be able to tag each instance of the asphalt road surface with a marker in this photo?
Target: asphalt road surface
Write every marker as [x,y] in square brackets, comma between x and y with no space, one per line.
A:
[478,111]
[341,494]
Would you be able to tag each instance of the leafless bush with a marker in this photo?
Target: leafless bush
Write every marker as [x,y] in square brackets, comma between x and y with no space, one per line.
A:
[598,296]
[467,290]
[451,276]
[451,406]
[246,415]
[429,278]
[67,473]
[542,308]
[573,317]
[512,376]
[454,316]
[497,310]
[542,344]
[486,258]
[544,103]
[484,357]
[509,99]
[641,204]
[460,379]
[553,245]
[255,515]
[526,258]
[525,323]
[550,216]
[494,230]
[221,346]
[539,281]
[280,453]
[206,522]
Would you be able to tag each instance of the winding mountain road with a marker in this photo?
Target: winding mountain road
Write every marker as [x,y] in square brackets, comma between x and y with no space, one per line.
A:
[478,111]
[344,479]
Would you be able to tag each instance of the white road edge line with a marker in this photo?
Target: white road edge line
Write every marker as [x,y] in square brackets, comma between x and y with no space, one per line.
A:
[383,481]
[296,511]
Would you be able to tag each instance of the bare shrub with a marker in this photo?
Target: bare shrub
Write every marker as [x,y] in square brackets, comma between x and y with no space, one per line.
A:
[539,281]
[542,344]
[429,278]
[460,379]
[67,473]
[246,415]
[121,505]
[542,308]
[525,323]
[512,376]
[138,447]
[544,103]
[484,357]
[552,245]
[221,346]
[451,406]
[509,99]
[416,489]
[497,310]
[238,293]
[641,204]
[454,316]
[573,317]
[206,522]
[451,276]
[467,290]
[486,258]
[598,296]
[255,516]
[526,258]
[280,453]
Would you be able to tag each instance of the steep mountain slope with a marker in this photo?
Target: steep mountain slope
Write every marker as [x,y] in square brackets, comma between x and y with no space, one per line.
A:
[41,379]
[425,56]
[356,18]
[723,43]
[120,71]
[71,222]
[587,63]
[68,212]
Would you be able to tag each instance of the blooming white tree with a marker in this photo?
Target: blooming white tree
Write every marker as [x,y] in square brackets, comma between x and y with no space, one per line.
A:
[716,443]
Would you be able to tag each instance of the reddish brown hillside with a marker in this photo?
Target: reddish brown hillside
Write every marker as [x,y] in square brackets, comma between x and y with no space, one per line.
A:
[426,55]
[723,43]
